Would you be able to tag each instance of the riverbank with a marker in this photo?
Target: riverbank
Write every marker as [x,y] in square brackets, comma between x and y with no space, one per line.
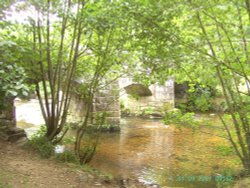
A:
[21,168]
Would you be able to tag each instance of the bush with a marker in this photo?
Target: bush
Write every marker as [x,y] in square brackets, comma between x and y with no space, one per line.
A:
[179,118]
[39,143]
[67,156]
[199,99]
[42,146]
[87,153]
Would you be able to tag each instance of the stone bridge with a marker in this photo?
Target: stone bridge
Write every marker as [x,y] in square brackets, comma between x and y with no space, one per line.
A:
[137,98]
[122,95]
[129,96]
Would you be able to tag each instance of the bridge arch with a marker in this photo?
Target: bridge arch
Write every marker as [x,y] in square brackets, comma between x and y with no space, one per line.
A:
[137,98]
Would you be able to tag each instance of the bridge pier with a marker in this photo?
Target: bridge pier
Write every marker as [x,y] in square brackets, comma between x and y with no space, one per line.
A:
[158,99]
[107,100]
[8,129]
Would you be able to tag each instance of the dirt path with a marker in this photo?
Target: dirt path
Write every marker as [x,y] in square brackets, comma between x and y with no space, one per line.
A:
[20,168]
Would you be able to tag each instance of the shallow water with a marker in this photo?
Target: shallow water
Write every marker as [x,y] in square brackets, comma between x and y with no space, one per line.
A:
[153,153]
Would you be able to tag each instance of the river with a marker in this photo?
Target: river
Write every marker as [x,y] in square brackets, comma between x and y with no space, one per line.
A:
[154,153]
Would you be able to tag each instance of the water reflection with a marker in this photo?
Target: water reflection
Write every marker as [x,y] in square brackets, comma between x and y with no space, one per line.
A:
[152,152]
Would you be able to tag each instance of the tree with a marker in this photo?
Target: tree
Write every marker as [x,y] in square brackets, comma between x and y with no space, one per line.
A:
[208,42]
[103,64]
[229,54]
[4,4]
[52,49]
[13,77]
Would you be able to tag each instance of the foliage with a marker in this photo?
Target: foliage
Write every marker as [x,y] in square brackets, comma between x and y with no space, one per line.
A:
[225,150]
[13,77]
[198,100]
[5,4]
[41,144]
[68,140]
[227,177]
[180,118]
[90,169]
[149,110]
[122,105]
[87,153]
[12,80]
[67,156]
[203,42]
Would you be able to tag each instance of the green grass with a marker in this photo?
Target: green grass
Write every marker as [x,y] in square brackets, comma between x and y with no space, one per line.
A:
[225,150]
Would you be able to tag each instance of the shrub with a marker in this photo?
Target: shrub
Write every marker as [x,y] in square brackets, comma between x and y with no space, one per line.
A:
[67,156]
[179,118]
[39,143]
[199,99]
[87,153]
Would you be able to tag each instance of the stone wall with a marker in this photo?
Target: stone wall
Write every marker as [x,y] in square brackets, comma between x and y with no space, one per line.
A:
[8,129]
[106,100]
[77,109]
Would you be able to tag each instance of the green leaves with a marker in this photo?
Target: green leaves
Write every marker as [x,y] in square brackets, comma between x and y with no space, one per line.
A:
[7,43]
[12,80]
[178,118]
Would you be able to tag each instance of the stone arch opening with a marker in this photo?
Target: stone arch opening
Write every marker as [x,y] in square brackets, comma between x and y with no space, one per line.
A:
[138,89]
[138,99]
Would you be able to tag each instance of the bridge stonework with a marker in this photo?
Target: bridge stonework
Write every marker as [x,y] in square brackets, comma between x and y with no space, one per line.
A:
[162,98]
[8,129]
[110,96]
[107,100]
